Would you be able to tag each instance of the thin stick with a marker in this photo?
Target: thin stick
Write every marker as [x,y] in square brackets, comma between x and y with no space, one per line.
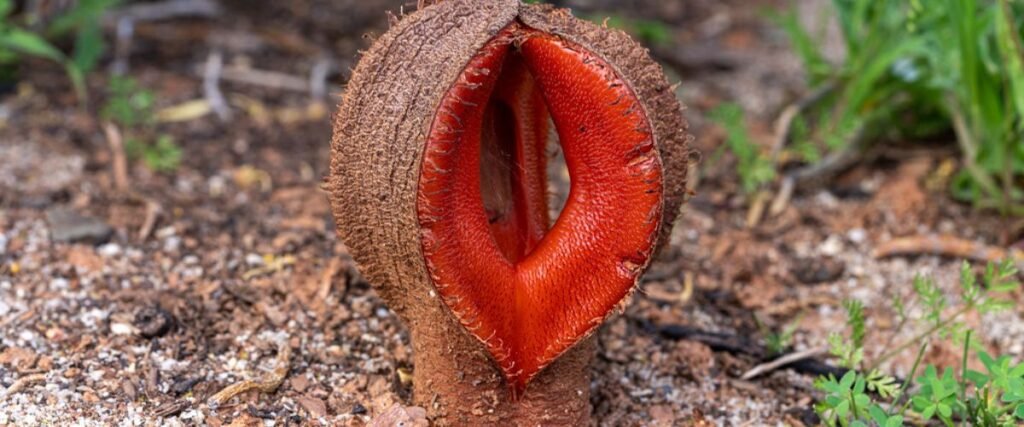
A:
[834,163]
[152,212]
[123,45]
[950,246]
[970,149]
[783,197]
[783,361]
[211,85]
[821,172]
[757,208]
[21,383]
[120,162]
[784,125]
[267,384]
[264,78]
[318,78]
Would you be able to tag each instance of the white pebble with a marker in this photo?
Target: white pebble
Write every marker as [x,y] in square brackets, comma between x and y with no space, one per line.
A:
[832,246]
[253,259]
[122,329]
[172,244]
[857,235]
[110,250]
[59,284]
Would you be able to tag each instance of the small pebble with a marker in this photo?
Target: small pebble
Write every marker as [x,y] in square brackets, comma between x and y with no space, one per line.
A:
[110,250]
[857,235]
[71,227]
[832,246]
[122,329]
[253,259]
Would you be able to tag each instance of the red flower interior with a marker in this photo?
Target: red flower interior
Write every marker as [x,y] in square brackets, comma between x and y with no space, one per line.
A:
[526,288]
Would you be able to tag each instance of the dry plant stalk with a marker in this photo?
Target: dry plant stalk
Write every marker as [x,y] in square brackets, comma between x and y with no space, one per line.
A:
[267,384]
[20,385]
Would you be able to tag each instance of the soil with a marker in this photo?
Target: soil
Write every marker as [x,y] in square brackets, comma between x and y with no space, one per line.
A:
[135,306]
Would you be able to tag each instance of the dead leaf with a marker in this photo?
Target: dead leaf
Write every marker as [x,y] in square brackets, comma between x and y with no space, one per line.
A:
[186,111]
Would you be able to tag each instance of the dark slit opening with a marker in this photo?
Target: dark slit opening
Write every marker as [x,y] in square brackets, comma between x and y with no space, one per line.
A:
[514,161]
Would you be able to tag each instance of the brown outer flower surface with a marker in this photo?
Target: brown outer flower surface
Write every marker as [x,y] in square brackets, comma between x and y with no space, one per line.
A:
[377,150]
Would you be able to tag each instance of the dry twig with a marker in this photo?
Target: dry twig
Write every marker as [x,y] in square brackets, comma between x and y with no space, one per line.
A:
[783,361]
[152,212]
[120,162]
[21,383]
[267,384]
[822,172]
[784,125]
[950,246]
[265,78]
[211,85]
[318,78]
[123,45]
[757,208]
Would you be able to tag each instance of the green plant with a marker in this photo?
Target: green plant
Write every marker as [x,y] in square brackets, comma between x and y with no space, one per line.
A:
[755,169]
[82,21]
[1000,392]
[992,398]
[986,102]
[17,42]
[128,104]
[131,107]
[914,69]
[163,155]
[779,342]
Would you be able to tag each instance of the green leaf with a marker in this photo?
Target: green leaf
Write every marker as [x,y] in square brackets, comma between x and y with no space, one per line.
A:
[843,408]
[32,44]
[164,156]
[1020,411]
[806,47]
[77,78]
[754,168]
[977,378]
[928,412]
[846,383]
[85,12]
[89,47]
[1018,371]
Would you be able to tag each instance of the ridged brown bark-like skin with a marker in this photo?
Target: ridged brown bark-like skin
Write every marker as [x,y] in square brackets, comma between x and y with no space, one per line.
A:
[377,148]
